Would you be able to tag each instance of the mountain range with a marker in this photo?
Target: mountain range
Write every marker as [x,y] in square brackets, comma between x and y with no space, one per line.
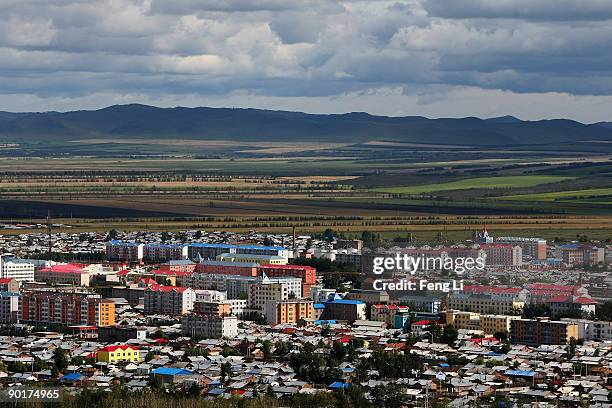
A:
[142,121]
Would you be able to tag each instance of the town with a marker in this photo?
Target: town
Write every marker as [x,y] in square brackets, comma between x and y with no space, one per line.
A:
[299,318]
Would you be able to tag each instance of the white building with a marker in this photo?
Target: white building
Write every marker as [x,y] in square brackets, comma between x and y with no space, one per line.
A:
[591,330]
[209,326]
[11,267]
[235,286]
[209,295]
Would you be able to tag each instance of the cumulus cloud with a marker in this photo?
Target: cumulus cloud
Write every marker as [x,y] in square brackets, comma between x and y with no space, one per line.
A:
[326,51]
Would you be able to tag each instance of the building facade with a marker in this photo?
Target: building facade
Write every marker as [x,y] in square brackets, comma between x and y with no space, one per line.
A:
[542,331]
[209,326]
[69,309]
[168,300]
[289,311]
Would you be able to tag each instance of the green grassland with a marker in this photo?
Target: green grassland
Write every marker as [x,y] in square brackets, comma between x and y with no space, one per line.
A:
[476,183]
[594,195]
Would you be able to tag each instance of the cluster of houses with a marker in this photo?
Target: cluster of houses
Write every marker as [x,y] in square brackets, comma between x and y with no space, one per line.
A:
[469,370]
[225,314]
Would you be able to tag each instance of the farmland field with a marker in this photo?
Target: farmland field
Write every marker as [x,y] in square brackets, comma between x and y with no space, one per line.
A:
[347,188]
[473,183]
[595,194]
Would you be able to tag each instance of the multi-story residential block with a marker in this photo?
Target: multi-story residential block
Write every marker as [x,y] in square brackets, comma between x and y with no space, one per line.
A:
[463,320]
[289,311]
[9,307]
[14,268]
[46,307]
[116,354]
[534,248]
[179,265]
[369,296]
[430,304]
[581,254]
[355,244]
[63,274]
[157,252]
[253,258]
[592,330]
[386,313]
[490,303]
[501,292]
[345,310]
[168,300]
[202,251]
[350,258]
[491,324]
[124,251]
[487,323]
[235,286]
[269,289]
[227,268]
[503,254]
[209,326]
[307,274]
[219,308]
[238,306]
[542,331]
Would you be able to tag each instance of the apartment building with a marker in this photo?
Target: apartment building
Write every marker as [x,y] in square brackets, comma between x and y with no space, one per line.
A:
[491,324]
[235,286]
[219,308]
[307,274]
[271,289]
[386,313]
[484,303]
[209,326]
[157,252]
[63,274]
[542,331]
[369,296]
[168,300]
[202,251]
[288,311]
[227,268]
[463,320]
[9,307]
[179,265]
[503,254]
[44,307]
[592,330]
[534,248]
[124,251]
[581,254]
[344,310]
[252,258]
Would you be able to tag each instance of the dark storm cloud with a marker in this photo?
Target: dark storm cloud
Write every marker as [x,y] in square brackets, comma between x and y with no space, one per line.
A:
[543,10]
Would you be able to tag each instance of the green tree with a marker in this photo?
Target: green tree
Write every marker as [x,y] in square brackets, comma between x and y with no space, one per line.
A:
[449,334]
[60,359]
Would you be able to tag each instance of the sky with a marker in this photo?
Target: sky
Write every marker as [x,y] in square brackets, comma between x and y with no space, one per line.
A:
[532,59]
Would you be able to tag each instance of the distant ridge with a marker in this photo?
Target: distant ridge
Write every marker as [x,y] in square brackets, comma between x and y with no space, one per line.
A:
[142,121]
